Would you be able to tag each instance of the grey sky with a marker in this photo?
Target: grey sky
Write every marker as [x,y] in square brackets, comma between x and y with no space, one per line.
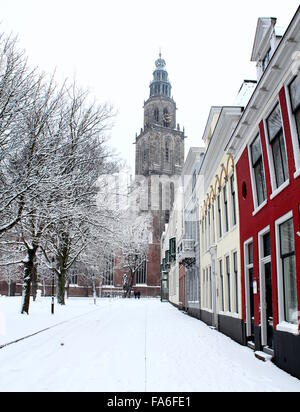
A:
[110,47]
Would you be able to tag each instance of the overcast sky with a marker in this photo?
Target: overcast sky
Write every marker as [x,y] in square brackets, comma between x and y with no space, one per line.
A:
[110,46]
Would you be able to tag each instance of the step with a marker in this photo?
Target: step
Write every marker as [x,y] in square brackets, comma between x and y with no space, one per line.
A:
[262,356]
[268,350]
[251,344]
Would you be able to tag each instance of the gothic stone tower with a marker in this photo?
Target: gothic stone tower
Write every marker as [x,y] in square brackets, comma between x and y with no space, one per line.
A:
[159,160]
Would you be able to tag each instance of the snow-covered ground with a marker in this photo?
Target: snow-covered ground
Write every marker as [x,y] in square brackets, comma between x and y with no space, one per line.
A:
[128,345]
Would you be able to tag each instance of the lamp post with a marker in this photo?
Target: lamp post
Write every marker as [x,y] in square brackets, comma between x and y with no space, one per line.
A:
[94,287]
[52,288]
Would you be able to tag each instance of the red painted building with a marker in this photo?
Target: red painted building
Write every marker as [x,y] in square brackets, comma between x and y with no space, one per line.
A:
[266,146]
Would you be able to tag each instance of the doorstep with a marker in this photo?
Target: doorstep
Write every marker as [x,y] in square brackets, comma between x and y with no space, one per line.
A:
[262,356]
[268,350]
[251,344]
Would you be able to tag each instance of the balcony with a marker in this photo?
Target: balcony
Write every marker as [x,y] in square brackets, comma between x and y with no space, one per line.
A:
[186,250]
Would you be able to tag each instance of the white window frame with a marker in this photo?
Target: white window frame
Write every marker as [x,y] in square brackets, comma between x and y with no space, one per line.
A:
[282,324]
[228,292]
[225,188]
[233,225]
[262,293]
[257,207]
[247,290]
[275,190]
[221,280]
[293,127]
[236,288]
[220,217]
[213,222]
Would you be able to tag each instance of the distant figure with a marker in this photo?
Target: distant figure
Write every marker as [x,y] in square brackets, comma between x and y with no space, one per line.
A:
[138,294]
[135,294]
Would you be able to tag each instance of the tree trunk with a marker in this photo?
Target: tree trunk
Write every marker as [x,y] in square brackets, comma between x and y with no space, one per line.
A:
[130,284]
[61,285]
[34,281]
[28,272]
[94,290]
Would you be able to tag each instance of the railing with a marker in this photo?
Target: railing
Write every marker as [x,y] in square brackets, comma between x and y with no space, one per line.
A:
[186,249]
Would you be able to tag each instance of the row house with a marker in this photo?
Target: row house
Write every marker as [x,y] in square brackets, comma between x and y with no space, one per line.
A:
[188,245]
[170,267]
[245,239]
[266,148]
[219,228]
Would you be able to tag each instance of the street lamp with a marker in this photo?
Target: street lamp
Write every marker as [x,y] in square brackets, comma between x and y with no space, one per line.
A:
[52,287]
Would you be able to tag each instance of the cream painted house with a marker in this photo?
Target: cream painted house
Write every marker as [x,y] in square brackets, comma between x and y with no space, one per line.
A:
[220,278]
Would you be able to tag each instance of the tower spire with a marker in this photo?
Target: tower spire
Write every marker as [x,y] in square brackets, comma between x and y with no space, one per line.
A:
[160,85]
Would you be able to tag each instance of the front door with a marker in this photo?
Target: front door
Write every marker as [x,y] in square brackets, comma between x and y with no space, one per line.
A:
[251,305]
[267,306]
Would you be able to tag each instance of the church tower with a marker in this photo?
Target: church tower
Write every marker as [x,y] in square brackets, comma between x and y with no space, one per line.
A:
[160,147]
[159,159]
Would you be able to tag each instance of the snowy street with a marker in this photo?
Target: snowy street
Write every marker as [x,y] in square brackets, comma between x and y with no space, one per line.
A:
[135,345]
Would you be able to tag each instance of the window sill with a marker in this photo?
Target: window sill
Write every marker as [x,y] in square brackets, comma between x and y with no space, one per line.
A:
[207,310]
[297,173]
[288,327]
[231,314]
[280,189]
[255,211]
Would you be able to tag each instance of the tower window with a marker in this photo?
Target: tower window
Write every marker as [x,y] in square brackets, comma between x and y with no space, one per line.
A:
[167,152]
[166,118]
[156,114]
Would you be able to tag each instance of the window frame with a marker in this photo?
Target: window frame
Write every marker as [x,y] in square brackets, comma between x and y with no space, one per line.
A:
[295,134]
[225,208]
[253,165]
[275,187]
[219,207]
[236,300]
[221,278]
[247,267]
[233,200]
[228,283]
[283,325]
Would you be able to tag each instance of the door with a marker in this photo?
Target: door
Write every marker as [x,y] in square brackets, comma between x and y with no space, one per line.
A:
[251,304]
[267,306]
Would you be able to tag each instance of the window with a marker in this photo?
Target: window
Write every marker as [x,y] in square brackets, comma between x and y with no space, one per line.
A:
[294,89]
[74,279]
[288,264]
[207,292]
[141,273]
[205,233]
[202,230]
[259,174]
[108,271]
[167,152]
[228,284]
[221,284]
[249,292]
[208,229]
[166,118]
[219,217]
[233,205]
[276,140]
[210,289]
[213,222]
[236,291]
[156,114]
[204,293]
[266,59]
[225,207]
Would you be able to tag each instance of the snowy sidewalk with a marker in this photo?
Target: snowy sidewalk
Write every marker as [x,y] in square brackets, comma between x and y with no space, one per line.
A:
[136,345]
